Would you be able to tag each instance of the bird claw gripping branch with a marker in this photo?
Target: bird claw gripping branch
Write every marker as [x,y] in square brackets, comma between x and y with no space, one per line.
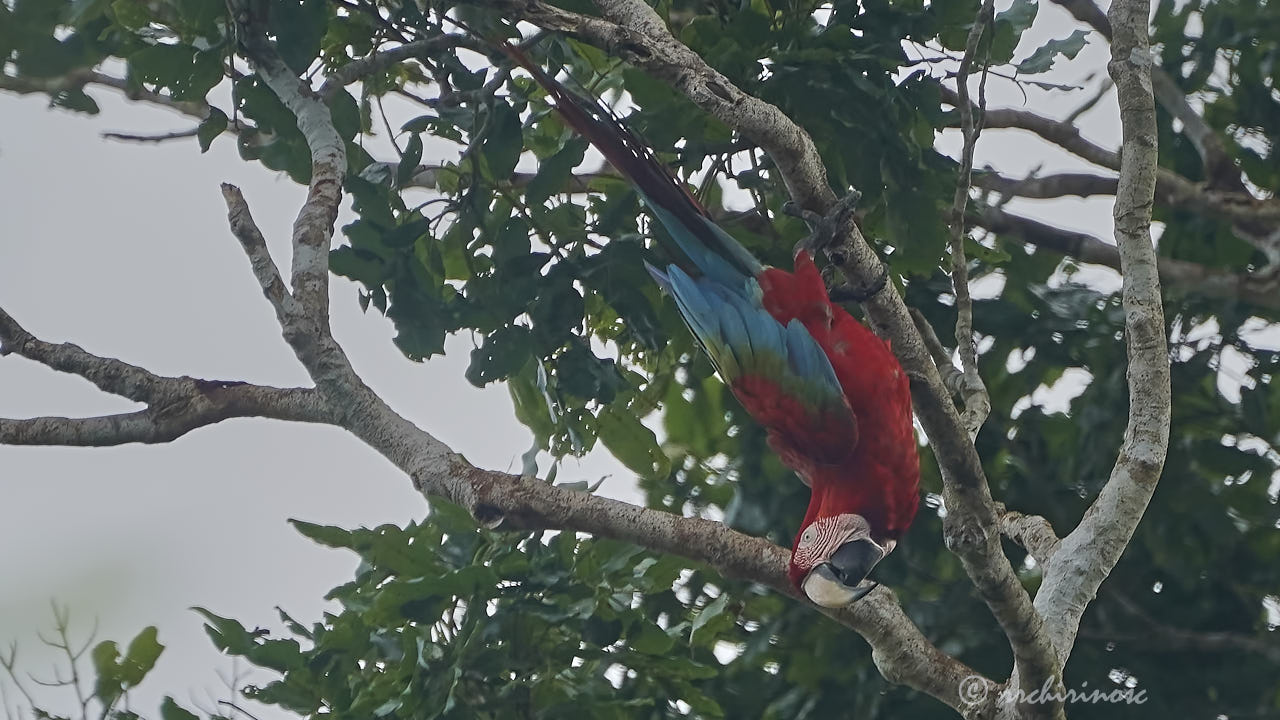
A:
[824,230]
[833,399]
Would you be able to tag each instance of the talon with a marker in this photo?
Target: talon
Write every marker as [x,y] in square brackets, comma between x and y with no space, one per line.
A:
[824,229]
[848,293]
[811,218]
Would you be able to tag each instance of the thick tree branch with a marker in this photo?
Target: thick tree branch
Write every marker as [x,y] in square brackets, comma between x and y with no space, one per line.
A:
[1087,555]
[313,228]
[1258,288]
[1040,187]
[175,405]
[180,405]
[631,30]
[108,374]
[206,402]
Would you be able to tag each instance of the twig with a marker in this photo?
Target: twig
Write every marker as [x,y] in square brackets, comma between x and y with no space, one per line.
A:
[1104,87]
[1261,287]
[951,377]
[977,403]
[155,138]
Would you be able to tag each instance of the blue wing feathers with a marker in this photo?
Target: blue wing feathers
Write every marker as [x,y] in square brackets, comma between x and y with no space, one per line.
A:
[741,337]
[719,266]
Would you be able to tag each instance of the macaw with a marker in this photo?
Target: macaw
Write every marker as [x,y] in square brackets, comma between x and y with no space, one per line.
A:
[834,400]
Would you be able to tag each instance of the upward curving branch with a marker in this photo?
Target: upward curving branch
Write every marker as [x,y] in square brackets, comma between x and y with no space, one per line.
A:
[1086,555]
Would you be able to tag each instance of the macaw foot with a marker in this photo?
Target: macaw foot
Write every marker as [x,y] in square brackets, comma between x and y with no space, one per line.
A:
[849,293]
[824,230]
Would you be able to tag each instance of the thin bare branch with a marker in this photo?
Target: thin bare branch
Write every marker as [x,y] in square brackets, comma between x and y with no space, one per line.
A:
[1156,634]
[1220,168]
[951,377]
[150,138]
[1100,92]
[382,59]
[977,403]
[255,246]
[1261,288]
[1087,555]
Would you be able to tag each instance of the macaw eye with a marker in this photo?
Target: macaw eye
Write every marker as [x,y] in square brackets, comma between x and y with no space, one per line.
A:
[810,534]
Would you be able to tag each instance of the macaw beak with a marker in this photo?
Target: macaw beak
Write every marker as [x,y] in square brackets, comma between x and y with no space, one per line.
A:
[838,581]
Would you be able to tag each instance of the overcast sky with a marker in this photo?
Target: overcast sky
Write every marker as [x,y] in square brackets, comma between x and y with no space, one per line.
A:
[124,250]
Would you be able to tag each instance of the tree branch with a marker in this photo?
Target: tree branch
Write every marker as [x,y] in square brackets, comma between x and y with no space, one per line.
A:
[175,405]
[108,374]
[1033,533]
[1219,167]
[977,403]
[382,59]
[630,29]
[1087,555]
[1064,135]
[494,498]
[255,246]
[1163,636]
[1260,288]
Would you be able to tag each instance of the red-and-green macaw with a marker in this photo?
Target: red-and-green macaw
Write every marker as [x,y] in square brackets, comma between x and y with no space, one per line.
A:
[832,396]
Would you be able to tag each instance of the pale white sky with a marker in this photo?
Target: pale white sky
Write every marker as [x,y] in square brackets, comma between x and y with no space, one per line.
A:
[124,250]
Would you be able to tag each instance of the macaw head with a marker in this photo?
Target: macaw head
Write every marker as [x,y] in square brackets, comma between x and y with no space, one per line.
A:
[832,557]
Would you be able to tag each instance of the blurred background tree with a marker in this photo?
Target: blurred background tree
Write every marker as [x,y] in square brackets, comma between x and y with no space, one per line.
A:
[477,212]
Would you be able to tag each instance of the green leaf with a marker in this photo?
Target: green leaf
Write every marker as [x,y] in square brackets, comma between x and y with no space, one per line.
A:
[346,114]
[356,265]
[648,638]
[299,29]
[1020,14]
[503,353]
[105,656]
[631,442]
[503,142]
[141,656]
[77,100]
[210,128]
[187,73]
[554,173]
[131,14]
[1007,30]
[334,537]
[409,161]
[713,610]
[171,710]
[227,634]
[1043,58]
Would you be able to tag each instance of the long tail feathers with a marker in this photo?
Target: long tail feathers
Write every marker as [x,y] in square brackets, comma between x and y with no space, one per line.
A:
[709,249]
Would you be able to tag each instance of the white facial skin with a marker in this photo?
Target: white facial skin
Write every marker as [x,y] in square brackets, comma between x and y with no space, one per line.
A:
[816,545]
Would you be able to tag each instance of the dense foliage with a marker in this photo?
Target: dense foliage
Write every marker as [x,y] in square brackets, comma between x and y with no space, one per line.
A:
[447,620]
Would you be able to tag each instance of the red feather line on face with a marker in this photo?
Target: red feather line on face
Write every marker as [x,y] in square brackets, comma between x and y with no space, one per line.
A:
[850,437]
